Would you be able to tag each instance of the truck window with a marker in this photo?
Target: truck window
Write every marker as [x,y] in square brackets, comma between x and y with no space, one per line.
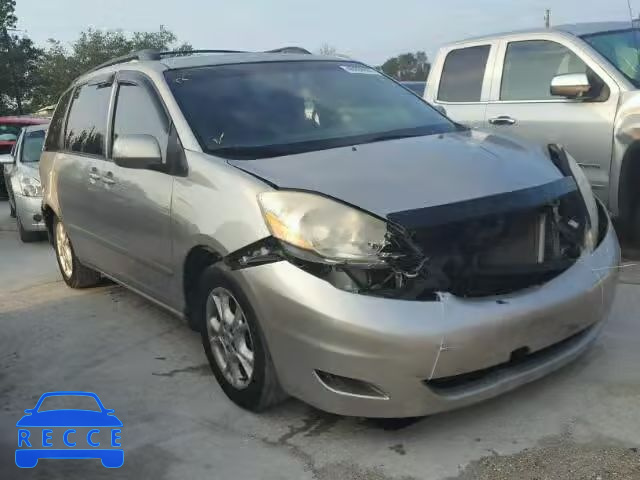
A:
[463,74]
[529,67]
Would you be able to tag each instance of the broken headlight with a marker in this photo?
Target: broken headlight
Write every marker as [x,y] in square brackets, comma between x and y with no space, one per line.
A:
[591,232]
[323,227]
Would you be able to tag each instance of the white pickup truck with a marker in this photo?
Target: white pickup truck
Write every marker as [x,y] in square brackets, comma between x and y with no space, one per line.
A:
[575,85]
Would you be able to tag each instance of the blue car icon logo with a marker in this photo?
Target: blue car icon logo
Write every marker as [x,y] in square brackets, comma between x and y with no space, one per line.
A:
[65,433]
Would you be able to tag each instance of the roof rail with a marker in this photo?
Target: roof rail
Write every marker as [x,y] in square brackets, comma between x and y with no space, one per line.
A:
[179,53]
[141,55]
[290,50]
[152,54]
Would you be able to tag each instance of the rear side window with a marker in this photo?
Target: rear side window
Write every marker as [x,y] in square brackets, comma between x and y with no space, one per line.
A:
[54,137]
[87,124]
[529,67]
[463,74]
[139,113]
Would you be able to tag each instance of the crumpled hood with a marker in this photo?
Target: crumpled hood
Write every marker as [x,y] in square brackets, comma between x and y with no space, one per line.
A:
[399,175]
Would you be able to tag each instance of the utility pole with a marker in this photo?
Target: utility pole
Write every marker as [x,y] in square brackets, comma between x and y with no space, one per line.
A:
[547,18]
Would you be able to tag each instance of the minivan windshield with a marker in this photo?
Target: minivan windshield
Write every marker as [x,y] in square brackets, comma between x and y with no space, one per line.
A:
[620,47]
[267,109]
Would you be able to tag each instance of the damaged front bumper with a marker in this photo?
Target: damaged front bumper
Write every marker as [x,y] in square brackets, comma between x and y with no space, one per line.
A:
[369,356]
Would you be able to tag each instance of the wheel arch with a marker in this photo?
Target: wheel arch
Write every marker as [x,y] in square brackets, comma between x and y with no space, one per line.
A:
[197,260]
[628,193]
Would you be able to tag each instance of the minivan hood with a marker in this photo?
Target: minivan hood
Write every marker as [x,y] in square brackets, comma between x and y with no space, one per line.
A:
[412,173]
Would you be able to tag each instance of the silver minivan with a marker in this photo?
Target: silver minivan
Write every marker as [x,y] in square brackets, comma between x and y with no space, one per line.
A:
[331,235]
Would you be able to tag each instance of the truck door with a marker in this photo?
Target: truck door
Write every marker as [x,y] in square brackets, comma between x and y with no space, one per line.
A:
[521,103]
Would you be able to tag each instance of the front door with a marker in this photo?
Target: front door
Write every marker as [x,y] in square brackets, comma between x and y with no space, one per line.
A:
[522,105]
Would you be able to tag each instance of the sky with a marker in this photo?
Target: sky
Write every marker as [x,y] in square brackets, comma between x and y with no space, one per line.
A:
[370,31]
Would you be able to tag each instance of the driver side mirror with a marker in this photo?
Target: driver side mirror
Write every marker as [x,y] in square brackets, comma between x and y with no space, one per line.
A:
[6,159]
[137,151]
[571,85]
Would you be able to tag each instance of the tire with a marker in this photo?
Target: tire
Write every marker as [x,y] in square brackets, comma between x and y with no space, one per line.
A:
[261,389]
[73,272]
[25,235]
[634,225]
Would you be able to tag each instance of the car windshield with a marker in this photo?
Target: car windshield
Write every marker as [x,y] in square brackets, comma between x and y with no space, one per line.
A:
[69,402]
[620,47]
[258,110]
[9,132]
[32,146]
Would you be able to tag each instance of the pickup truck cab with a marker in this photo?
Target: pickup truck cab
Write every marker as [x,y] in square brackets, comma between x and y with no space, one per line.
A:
[575,85]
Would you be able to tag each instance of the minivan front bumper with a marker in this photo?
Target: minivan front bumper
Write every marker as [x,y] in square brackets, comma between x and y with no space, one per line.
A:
[423,357]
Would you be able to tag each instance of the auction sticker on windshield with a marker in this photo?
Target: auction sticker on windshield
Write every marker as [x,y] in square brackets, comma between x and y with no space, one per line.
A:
[69,425]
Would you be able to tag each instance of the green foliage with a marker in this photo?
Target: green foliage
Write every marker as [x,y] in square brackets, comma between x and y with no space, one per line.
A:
[8,18]
[32,78]
[408,66]
[60,66]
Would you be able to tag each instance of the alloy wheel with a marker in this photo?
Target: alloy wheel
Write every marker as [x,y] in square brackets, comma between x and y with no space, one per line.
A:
[63,249]
[230,338]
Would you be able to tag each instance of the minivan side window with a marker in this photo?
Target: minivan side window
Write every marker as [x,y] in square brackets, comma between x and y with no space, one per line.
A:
[529,67]
[86,130]
[139,113]
[54,135]
[463,74]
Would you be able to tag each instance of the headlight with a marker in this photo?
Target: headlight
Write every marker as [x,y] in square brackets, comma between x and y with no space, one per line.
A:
[329,229]
[29,186]
[591,237]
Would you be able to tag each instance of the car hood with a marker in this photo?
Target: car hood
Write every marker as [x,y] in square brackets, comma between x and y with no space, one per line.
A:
[31,169]
[411,173]
[69,418]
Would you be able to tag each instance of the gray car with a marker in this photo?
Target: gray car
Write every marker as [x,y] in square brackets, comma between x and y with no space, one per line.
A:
[575,85]
[331,235]
[22,178]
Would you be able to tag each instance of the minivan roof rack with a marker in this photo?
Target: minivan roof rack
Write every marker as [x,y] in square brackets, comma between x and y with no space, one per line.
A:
[141,55]
[152,54]
[304,51]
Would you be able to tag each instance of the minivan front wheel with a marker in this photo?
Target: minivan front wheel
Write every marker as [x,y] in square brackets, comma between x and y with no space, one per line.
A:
[74,273]
[234,344]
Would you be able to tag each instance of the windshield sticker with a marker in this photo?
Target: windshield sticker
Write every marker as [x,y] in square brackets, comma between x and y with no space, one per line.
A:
[359,69]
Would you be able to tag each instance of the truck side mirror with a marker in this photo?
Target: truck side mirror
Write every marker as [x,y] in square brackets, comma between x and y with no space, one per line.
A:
[571,85]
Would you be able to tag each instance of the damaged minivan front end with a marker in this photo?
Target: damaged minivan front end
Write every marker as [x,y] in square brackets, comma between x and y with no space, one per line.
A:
[419,310]
[486,246]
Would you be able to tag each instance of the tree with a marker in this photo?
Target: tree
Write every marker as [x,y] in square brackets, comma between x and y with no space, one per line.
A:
[60,66]
[408,66]
[327,50]
[18,63]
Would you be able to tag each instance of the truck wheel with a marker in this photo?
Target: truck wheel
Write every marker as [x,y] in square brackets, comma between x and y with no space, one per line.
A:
[74,273]
[234,343]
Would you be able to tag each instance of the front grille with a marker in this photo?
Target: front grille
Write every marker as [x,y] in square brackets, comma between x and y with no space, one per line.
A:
[468,381]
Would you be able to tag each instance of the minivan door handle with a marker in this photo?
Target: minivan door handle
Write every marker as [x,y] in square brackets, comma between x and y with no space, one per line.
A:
[502,120]
[107,179]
